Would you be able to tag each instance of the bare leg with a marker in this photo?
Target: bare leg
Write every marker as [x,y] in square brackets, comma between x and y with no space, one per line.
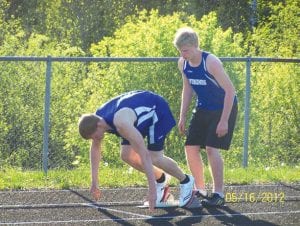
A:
[133,159]
[167,164]
[196,165]
[216,167]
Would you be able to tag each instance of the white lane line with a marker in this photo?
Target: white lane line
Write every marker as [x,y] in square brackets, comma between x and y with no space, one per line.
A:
[92,205]
[70,204]
[119,211]
[203,216]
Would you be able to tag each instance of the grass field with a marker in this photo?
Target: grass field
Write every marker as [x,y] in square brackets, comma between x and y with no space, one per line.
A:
[11,179]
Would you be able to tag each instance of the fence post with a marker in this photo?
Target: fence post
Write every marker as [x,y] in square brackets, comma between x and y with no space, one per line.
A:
[46,115]
[247,111]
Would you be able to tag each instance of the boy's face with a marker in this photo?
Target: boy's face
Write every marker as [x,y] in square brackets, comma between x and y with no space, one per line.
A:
[187,51]
[99,133]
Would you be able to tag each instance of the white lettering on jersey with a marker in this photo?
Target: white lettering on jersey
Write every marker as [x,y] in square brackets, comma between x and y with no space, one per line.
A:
[199,82]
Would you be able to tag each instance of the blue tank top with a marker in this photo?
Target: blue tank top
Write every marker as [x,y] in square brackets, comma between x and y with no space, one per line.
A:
[210,95]
[149,108]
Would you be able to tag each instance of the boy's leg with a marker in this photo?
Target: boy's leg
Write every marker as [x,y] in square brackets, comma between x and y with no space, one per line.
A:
[167,164]
[133,159]
[216,167]
[171,167]
[196,166]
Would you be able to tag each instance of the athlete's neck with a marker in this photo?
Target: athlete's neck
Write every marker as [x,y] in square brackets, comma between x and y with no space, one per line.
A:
[196,59]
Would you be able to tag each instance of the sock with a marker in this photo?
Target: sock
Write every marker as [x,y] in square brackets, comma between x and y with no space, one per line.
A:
[186,180]
[203,192]
[161,179]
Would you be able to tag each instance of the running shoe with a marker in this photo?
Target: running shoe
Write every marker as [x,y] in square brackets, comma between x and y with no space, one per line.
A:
[162,190]
[215,200]
[186,192]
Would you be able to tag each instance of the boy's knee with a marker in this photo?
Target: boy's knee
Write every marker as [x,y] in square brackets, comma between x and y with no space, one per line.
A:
[125,156]
[212,151]
[157,160]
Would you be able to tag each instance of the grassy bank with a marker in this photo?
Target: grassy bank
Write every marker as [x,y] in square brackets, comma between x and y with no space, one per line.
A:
[125,176]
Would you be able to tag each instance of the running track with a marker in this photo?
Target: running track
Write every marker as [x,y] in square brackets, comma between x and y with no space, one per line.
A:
[273,204]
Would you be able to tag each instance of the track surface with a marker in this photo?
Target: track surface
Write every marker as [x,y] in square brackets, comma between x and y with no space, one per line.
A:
[276,204]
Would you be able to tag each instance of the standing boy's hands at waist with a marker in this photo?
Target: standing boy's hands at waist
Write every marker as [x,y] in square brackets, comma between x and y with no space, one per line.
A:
[222,128]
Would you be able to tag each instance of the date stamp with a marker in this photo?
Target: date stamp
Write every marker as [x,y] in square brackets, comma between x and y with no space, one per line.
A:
[253,197]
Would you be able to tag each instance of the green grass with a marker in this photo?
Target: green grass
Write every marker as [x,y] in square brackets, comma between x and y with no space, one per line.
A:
[12,179]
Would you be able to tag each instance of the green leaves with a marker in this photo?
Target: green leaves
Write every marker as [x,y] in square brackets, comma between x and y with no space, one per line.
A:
[81,28]
[279,35]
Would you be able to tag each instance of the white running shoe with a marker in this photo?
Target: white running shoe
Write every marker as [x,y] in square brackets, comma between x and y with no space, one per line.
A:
[186,192]
[162,189]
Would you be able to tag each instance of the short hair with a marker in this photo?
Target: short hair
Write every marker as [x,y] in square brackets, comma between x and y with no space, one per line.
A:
[185,36]
[87,125]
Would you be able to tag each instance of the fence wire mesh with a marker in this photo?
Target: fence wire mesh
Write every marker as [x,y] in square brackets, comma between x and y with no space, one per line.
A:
[80,85]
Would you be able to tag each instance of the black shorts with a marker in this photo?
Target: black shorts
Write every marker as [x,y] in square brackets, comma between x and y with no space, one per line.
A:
[203,125]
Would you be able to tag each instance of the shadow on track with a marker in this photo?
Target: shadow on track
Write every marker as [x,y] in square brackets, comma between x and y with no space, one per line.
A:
[102,210]
[228,216]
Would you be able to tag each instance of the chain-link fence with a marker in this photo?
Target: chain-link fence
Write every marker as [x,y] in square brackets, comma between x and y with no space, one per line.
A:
[42,98]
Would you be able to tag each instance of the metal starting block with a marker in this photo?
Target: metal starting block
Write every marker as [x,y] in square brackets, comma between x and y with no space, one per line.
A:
[172,202]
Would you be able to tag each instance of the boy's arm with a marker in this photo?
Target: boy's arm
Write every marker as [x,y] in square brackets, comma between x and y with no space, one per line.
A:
[215,67]
[95,157]
[186,97]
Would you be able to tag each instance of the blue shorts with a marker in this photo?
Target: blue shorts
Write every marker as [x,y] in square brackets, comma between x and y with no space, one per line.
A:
[158,146]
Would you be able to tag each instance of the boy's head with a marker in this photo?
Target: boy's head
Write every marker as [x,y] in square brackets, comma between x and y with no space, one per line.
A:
[186,36]
[87,125]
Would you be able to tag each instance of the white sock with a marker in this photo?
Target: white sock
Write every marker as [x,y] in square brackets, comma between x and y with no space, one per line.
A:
[203,192]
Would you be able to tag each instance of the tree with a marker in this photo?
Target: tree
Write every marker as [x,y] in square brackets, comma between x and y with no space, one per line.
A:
[152,35]
[275,87]
[84,22]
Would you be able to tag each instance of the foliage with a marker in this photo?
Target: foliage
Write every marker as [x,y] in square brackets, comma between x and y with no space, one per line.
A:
[159,77]
[278,36]
[84,22]
[275,87]
[81,28]
[22,87]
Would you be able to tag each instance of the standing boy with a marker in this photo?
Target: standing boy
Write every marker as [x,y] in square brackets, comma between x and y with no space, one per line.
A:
[214,116]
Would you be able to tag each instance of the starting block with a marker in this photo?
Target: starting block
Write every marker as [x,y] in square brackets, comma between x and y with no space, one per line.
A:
[193,203]
[171,202]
